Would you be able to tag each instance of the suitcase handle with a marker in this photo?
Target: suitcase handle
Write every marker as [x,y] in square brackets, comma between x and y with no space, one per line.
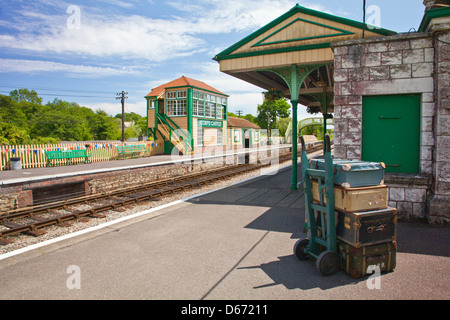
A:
[372,229]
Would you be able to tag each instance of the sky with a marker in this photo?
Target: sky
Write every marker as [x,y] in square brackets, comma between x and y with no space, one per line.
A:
[88,51]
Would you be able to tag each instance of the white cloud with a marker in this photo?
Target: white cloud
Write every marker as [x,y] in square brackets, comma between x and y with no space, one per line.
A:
[112,109]
[139,40]
[245,102]
[122,4]
[128,37]
[34,66]
[138,36]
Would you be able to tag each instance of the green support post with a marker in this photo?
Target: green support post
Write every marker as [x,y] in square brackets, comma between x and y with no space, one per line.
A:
[294,76]
[329,179]
[294,145]
[189,119]
[324,104]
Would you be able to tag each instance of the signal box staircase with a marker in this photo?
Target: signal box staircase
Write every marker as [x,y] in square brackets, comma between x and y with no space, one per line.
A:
[171,132]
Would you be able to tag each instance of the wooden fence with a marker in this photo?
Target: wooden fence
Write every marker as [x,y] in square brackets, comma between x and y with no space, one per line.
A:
[33,156]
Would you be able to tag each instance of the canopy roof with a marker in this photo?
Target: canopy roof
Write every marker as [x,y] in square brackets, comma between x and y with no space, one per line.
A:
[301,36]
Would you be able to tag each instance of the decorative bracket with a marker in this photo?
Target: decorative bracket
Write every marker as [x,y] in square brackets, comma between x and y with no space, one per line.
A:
[295,75]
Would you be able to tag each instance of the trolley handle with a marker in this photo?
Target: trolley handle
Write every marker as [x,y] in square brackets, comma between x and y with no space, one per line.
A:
[327,143]
[302,140]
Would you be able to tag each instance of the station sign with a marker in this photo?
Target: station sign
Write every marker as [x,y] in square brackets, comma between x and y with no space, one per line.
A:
[210,123]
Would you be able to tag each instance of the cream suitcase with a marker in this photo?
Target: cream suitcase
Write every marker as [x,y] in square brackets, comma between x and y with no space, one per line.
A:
[355,199]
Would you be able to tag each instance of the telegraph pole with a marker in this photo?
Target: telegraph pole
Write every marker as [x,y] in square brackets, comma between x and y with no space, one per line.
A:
[364,25]
[122,97]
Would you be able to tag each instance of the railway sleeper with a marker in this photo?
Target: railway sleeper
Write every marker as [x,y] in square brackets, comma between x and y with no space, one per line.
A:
[97,216]
[4,241]
[35,232]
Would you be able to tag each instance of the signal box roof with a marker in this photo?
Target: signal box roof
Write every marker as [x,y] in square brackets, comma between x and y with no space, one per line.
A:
[182,82]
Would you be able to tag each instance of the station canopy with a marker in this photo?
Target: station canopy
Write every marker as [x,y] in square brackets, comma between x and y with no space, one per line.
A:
[293,54]
[301,37]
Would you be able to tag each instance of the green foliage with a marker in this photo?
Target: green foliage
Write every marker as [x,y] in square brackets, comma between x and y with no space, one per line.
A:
[105,127]
[25,120]
[25,95]
[132,131]
[282,125]
[248,117]
[317,131]
[270,110]
[129,117]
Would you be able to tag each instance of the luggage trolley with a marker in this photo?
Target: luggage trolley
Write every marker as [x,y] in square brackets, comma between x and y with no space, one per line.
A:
[321,243]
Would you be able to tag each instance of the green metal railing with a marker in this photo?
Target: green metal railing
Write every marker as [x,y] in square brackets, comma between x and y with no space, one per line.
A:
[175,129]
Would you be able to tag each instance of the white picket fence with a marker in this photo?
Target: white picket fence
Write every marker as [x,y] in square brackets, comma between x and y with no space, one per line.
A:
[33,156]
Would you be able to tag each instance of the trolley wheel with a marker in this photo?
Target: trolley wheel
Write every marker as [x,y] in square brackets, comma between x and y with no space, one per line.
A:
[328,263]
[299,249]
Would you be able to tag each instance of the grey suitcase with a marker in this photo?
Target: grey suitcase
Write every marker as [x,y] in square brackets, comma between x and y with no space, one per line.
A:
[353,173]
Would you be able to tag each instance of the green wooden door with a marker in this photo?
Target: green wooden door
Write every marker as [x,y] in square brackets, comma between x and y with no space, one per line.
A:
[391,132]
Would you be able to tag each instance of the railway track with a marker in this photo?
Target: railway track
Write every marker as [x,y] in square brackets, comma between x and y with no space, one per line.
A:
[33,220]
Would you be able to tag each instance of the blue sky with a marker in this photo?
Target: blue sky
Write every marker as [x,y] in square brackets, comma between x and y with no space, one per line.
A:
[87,51]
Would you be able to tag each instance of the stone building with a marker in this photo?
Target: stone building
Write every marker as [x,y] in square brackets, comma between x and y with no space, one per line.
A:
[392,104]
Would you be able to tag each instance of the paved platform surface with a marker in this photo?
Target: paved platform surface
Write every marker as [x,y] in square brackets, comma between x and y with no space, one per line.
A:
[234,243]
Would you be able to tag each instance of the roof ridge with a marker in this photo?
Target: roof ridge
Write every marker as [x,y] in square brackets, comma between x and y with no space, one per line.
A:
[185,81]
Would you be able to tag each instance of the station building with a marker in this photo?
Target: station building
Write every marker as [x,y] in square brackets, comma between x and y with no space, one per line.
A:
[192,117]
[388,93]
[243,133]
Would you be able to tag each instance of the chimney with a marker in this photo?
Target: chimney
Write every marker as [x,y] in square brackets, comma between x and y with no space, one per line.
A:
[433,4]
[429,4]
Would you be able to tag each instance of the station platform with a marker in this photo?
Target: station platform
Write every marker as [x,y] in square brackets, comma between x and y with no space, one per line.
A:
[234,243]
[26,175]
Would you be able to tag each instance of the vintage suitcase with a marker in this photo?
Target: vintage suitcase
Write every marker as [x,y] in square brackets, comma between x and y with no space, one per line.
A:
[367,228]
[354,199]
[358,262]
[353,173]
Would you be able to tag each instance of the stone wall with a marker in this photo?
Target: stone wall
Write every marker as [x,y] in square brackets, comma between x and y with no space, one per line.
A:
[390,65]
[19,195]
[400,64]
[439,204]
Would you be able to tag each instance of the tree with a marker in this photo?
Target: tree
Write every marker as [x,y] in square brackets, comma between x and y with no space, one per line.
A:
[105,127]
[273,106]
[250,117]
[143,126]
[132,132]
[25,95]
[282,125]
[25,120]
[131,116]
[317,131]
[13,122]
[62,120]
[11,134]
